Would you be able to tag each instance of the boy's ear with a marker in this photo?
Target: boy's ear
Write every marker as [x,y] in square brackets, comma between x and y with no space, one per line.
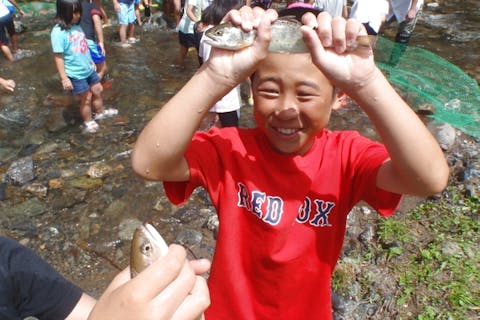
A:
[339,100]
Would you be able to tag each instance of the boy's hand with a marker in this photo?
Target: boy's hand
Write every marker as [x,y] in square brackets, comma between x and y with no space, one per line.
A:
[235,66]
[332,43]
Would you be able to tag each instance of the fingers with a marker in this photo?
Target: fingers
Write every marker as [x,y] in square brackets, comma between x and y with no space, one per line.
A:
[336,33]
[200,266]
[250,18]
[154,279]
[195,303]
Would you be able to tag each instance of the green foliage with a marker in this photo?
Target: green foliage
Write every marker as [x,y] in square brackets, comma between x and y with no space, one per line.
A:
[443,277]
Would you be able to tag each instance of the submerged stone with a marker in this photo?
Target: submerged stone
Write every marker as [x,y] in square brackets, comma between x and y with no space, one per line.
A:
[86,183]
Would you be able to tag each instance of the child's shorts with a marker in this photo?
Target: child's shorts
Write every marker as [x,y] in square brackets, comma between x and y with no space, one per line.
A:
[83,85]
[126,15]
[95,51]
[186,39]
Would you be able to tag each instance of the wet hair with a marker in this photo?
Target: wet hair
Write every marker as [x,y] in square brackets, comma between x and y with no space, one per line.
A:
[65,11]
[214,13]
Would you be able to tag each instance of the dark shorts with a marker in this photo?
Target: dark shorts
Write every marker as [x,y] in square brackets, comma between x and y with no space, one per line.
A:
[95,52]
[186,39]
[5,23]
[83,85]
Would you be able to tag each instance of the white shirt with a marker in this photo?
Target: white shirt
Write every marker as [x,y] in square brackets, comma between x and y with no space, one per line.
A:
[372,12]
[399,9]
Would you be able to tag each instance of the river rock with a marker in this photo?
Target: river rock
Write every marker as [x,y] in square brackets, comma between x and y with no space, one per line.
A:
[444,133]
[189,237]
[127,228]
[99,170]
[21,171]
[29,208]
[36,189]
[56,120]
[86,183]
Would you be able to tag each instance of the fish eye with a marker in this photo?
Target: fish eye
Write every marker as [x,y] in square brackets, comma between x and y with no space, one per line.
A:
[146,248]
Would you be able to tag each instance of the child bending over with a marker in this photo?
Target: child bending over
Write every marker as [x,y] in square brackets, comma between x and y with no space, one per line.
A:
[283,190]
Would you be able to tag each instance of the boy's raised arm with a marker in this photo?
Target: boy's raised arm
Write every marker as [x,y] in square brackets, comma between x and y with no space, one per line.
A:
[417,164]
[159,151]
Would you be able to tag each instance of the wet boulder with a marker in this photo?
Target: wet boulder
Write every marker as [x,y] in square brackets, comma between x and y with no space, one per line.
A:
[21,171]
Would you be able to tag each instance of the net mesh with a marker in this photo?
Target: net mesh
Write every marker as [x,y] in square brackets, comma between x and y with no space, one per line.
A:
[425,78]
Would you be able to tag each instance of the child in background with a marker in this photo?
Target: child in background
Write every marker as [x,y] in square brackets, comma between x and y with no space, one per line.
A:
[283,190]
[75,66]
[91,23]
[12,5]
[372,13]
[228,108]
[6,22]
[126,19]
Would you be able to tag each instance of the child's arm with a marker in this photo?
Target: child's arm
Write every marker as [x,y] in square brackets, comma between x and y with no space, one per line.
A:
[417,164]
[116,6]
[97,24]
[159,151]
[60,64]
[15,4]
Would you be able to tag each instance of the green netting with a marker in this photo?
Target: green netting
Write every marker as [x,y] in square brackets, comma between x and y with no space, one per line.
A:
[426,78]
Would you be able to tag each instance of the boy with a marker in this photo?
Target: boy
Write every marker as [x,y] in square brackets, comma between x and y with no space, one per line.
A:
[283,190]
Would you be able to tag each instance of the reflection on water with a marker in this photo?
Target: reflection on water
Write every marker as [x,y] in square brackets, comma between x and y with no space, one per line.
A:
[81,219]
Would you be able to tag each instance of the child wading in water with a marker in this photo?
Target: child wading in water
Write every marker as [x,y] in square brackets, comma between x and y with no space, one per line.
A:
[75,65]
[283,190]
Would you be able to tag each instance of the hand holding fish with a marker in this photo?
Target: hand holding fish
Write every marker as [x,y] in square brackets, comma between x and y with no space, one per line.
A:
[340,49]
[236,65]
[170,288]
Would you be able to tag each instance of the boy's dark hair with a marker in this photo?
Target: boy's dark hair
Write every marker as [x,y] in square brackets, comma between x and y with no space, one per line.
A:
[65,11]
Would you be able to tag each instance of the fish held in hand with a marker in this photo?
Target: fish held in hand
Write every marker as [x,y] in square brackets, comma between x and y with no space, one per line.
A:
[147,246]
[286,37]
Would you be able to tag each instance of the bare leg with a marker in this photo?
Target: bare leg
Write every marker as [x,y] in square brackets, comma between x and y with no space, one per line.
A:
[177,6]
[137,14]
[123,33]
[182,53]
[6,51]
[97,101]
[14,41]
[85,103]
[130,30]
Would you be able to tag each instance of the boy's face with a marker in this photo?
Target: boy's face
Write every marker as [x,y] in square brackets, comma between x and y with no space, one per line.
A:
[293,101]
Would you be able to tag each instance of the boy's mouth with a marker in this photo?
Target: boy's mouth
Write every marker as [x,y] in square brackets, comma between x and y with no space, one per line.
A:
[286,131]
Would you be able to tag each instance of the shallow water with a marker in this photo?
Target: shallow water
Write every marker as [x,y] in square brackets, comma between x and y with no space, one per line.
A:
[80,230]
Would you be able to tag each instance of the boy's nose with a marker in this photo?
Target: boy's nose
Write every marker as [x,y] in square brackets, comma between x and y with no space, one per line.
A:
[287,109]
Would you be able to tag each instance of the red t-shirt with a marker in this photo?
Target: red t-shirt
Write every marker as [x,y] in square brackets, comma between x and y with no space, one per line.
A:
[282,218]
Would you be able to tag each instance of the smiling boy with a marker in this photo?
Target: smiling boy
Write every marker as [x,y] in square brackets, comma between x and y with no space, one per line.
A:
[283,190]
